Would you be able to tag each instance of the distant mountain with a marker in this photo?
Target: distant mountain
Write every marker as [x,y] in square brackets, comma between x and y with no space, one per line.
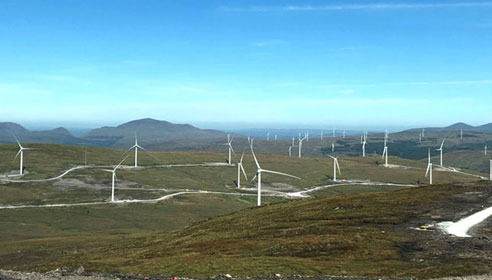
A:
[58,135]
[150,131]
[459,126]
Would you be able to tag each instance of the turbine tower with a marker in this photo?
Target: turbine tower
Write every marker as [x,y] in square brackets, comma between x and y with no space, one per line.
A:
[300,147]
[332,147]
[461,134]
[321,135]
[260,171]
[335,167]
[364,142]
[239,169]
[114,177]
[231,150]
[429,169]
[385,153]
[136,147]
[21,153]
[440,149]
[485,150]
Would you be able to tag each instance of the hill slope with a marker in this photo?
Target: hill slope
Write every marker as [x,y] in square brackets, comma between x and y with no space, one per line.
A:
[363,234]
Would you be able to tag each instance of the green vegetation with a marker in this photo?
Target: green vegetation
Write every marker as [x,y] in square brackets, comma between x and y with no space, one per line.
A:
[359,234]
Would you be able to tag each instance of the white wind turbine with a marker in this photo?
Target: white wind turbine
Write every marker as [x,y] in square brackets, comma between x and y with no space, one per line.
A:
[385,153]
[485,150]
[136,147]
[290,151]
[276,137]
[321,135]
[231,150]
[420,137]
[429,168]
[440,149]
[293,142]
[461,134]
[114,177]
[268,136]
[364,142]
[333,147]
[300,147]
[335,167]
[21,153]
[334,133]
[239,169]
[260,171]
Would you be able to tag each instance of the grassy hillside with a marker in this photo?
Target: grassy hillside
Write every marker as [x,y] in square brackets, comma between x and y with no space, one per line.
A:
[360,234]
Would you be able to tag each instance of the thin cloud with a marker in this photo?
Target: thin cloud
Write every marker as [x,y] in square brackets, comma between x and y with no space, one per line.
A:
[268,43]
[373,6]
[426,83]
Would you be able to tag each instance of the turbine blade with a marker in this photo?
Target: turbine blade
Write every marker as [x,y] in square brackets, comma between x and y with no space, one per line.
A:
[107,170]
[280,173]
[119,164]
[338,166]
[244,172]
[18,153]
[254,156]
[241,161]
[332,156]
[254,177]
[427,171]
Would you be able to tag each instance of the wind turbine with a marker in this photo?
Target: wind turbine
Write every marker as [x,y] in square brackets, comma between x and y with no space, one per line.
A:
[485,150]
[114,177]
[385,153]
[275,137]
[258,175]
[321,135]
[334,133]
[332,147]
[136,147]
[21,153]
[440,149]
[429,169]
[290,151]
[293,143]
[300,147]
[420,137]
[335,167]
[343,134]
[239,169]
[423,132]
[231,150]
[364,145]
[268,136]
[461,134]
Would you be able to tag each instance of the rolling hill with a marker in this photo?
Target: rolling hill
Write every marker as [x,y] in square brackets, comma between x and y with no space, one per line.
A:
[359,234]
[457,127]
[150,131]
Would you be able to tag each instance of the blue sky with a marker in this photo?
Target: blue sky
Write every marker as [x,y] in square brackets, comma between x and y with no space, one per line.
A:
[233,64]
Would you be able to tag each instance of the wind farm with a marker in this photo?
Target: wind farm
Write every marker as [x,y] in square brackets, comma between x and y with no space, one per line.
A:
[245,140]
